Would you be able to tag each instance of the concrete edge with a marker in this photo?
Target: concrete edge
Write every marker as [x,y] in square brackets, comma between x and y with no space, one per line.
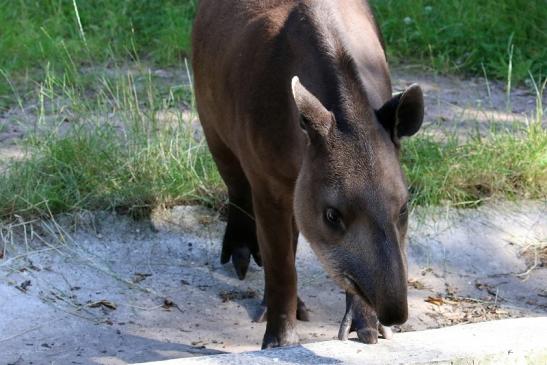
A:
[512,341]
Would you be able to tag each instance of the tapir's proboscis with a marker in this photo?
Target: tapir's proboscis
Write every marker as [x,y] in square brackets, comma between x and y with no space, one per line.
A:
[296,104]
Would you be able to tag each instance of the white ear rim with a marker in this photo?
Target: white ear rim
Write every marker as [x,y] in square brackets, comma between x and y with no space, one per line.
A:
[295,81]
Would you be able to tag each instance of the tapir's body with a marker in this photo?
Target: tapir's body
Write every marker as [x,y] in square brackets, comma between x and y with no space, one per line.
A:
[253,111]
[253,49]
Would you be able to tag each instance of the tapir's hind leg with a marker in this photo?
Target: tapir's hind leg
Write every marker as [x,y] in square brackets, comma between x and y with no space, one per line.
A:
[240,240]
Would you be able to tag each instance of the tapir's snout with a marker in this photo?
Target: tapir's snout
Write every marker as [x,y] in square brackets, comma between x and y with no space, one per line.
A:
[382,283]
[392,296]
[393,313]
[390,305]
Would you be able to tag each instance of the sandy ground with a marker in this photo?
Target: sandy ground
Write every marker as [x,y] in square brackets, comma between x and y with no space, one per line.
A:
[104,289]
[463,107]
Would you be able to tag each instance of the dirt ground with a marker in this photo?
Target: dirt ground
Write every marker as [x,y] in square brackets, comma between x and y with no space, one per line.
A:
[104,289]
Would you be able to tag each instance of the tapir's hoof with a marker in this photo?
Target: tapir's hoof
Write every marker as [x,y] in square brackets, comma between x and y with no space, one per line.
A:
[386,332]
[302,312]
[286,338]
[362,319]
[241,257]
[368,335]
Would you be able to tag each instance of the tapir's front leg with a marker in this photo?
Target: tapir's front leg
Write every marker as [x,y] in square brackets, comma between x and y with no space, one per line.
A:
[274,231]
[361,318]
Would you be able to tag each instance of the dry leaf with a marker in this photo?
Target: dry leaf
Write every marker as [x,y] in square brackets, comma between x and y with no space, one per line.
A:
[103,303]
[416,284]
[24,286]
[168,303]
[435,300]
[139,276]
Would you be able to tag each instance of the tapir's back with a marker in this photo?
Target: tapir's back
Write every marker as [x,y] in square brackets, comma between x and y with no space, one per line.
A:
[241,91]
[245,53]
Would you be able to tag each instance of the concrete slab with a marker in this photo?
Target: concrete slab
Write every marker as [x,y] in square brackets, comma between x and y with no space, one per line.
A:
[513,341]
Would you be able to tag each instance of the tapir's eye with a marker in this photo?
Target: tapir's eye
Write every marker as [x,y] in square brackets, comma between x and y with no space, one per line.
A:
[333,218]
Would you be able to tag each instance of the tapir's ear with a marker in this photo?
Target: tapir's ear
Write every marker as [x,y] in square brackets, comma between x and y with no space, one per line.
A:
[315,119]
[404,113]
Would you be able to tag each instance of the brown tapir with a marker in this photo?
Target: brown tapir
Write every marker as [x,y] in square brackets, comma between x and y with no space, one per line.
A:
[295,100]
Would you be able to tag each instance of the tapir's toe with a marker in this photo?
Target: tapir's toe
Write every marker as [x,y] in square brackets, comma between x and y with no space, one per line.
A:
[241,257]
[360,318]
[368,335]
[386,332]
[240,253]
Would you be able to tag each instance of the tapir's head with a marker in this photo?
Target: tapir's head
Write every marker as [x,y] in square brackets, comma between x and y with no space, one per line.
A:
[351,197]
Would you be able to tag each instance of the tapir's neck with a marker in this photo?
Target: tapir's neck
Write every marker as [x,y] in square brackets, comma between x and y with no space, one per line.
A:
[339,57]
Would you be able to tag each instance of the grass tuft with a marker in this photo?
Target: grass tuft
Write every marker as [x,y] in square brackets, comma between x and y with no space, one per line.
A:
[119,153]
[504,165]
[97,170]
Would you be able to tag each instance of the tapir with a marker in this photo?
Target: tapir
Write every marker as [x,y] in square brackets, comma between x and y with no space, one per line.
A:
[296,104]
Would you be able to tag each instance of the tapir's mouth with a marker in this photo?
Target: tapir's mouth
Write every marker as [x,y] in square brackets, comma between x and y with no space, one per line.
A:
[357,289]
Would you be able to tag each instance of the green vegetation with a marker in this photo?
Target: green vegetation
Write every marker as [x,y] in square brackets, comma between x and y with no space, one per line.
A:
[111,135]
[70,34]
[467,35]
[447,35]
[127,148]
[465,174]
[35,33]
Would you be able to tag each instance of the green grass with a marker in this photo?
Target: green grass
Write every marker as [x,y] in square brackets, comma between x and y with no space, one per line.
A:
[462,35]
[40,35]
[118,153]
[467,35]
[96,171]
[466,174]
[35,33]
[121,152]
